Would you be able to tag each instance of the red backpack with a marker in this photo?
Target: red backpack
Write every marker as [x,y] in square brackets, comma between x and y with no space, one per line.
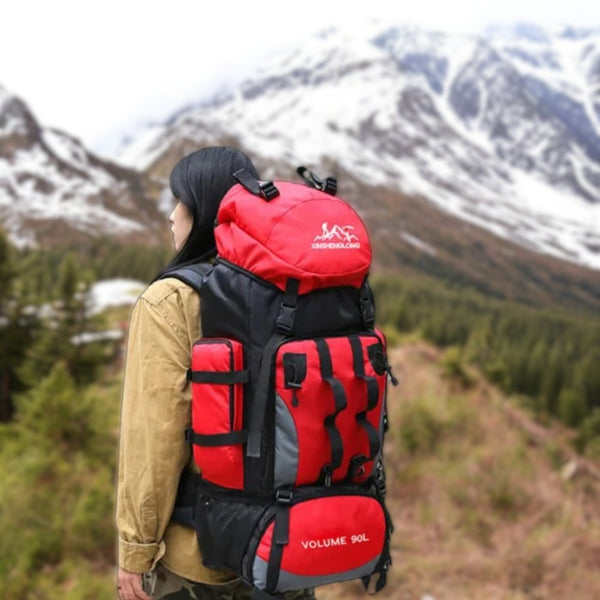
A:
[288,393]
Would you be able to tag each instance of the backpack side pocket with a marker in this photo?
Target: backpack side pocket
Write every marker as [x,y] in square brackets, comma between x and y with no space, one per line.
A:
[217,433]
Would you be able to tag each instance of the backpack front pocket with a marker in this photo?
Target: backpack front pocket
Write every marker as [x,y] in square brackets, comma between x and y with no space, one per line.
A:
[217,434]
[318,538]
[329,404]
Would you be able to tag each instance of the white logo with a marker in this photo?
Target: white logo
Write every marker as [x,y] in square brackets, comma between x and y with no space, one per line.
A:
[336,238]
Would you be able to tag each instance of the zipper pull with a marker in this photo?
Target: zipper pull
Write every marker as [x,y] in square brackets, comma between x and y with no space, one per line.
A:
[295,401]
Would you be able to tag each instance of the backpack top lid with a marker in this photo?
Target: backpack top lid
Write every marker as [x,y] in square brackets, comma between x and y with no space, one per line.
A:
[303,233]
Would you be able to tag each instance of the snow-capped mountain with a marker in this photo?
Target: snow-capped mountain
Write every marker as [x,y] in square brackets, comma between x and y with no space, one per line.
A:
[52,188]
[501,130]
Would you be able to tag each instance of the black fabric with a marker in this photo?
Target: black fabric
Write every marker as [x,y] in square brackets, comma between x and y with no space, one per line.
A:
[187,492]
[367,306]
[219,377]
[230,288]
[225,528]
[194,275]
[216,439]
[340,401]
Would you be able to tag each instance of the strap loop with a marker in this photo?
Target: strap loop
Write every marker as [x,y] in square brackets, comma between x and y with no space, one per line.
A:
[372,397]
[266,189]
[340,402]
[216,439]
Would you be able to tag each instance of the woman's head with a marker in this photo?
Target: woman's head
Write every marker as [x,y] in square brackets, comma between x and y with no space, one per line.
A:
[199,181]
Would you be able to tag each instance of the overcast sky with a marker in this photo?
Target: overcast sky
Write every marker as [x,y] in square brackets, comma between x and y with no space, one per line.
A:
[95,69]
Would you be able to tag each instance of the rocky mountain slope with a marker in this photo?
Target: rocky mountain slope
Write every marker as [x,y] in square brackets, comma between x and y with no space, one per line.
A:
[52,189]
[501,130]
[473,160]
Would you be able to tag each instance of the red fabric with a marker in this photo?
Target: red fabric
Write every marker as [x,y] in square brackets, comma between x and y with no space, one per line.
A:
[303,233]
[211,411]
[330,535]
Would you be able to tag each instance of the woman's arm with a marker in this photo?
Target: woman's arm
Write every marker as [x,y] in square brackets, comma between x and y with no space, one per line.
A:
[155,414]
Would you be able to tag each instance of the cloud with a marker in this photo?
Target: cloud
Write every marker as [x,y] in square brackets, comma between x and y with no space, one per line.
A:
[96,68]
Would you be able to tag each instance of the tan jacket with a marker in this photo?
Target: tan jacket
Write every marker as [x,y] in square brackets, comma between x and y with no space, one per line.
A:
[165,322]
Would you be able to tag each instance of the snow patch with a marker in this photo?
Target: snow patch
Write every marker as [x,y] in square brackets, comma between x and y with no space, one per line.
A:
[113,292]
[98,336]
[418,243]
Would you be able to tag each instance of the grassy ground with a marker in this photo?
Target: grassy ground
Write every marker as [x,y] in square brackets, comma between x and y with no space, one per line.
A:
[487,504]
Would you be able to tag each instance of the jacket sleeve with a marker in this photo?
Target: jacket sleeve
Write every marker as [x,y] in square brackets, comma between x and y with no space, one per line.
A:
[153,451]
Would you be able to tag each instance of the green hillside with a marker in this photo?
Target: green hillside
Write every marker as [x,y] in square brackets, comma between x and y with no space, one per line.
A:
[492,496]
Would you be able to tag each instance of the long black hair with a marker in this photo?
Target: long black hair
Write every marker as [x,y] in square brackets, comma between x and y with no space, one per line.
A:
[200,180]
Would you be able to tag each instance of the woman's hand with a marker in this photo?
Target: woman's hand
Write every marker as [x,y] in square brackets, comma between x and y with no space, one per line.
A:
[129,586]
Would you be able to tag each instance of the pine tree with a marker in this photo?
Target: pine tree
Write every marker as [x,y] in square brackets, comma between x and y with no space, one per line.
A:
[17,327]
[68,321]
[6,284]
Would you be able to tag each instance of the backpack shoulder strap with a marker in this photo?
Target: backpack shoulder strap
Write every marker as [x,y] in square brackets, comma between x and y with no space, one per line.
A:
[194,275]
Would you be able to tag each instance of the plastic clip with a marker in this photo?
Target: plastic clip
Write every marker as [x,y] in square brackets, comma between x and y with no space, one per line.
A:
[283,496]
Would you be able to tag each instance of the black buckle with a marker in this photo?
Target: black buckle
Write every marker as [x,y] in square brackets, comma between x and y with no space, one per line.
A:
[330,186]
[189,435]
[285,320]
[283,496]
[268,190]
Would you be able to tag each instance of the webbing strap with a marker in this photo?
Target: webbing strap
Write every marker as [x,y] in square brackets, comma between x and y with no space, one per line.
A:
[219,377]
[372,397]
[281,537]
[266,189]
[339,396]
[287,310]
[216,439]
[194,275]
[261,396]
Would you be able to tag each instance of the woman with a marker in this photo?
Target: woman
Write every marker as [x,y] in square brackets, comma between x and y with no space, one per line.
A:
[159,558]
